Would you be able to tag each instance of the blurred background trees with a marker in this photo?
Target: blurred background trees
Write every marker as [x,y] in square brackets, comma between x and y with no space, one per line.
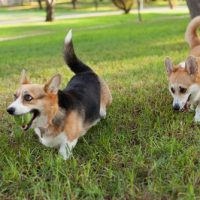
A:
[125,5]
[50,10]
[66,6]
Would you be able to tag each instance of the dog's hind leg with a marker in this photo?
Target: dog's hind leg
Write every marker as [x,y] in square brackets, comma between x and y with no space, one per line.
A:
[106,98]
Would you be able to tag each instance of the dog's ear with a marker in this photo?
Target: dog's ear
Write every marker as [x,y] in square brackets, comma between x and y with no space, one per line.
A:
[52,86]
[169,65]
[191,65]
[24,79]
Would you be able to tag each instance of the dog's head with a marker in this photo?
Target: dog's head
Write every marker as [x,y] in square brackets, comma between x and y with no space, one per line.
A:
[40,100]
[181,81]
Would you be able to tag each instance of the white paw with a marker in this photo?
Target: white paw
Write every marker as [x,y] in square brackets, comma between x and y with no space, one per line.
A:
[197,118]
[103,113]
[65,151]
[191,108]
[65,156]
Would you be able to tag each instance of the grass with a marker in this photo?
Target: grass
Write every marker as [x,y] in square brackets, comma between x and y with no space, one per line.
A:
[142,150]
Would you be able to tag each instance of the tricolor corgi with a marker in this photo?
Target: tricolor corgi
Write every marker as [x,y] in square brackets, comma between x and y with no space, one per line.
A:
[184,78]
[61,117]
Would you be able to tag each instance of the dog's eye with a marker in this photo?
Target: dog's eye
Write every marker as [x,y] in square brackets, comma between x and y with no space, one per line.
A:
[183,90]
[28,97]
[172,89]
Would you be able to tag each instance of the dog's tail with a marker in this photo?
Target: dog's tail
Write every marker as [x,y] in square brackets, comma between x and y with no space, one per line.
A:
[76,65]
[191,35]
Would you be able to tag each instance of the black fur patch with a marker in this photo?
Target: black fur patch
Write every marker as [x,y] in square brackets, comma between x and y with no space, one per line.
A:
[82,94]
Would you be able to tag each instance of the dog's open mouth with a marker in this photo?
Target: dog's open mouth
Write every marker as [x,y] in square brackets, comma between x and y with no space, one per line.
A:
[26,120]
[26,126]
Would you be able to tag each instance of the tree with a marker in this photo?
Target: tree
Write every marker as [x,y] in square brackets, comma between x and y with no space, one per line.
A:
[96,4]
[50,10]
[40,4]
[74,3]
[125,5]
[194,7]
[171,4]
[138,8]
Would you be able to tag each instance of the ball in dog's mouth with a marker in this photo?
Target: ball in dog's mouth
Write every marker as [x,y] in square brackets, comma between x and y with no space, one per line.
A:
[25,120]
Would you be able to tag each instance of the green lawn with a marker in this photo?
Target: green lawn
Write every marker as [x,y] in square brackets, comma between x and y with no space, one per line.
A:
[142,150]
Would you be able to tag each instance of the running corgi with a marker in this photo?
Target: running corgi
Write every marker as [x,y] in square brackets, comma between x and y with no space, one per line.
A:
[61,117]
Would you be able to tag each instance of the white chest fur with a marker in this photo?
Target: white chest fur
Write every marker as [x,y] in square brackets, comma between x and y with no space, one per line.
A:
[51,141]
[60,141]
[40,121]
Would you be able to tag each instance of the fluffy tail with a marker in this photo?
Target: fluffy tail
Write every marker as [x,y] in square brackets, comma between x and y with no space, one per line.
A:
[70,57]
[191,35]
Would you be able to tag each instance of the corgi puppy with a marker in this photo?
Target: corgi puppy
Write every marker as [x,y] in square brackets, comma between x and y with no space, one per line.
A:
[184,78]
[61,117]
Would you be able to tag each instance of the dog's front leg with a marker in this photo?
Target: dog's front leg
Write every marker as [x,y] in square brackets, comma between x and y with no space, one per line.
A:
[192,108]
[65,149]
[197,114]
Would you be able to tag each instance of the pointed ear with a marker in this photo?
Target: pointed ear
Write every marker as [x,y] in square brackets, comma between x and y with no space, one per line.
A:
[24,79]
[52,86]
[191,65]
[169,65]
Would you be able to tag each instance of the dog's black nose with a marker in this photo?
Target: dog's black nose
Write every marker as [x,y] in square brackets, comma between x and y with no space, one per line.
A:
[11,110]
[176,107]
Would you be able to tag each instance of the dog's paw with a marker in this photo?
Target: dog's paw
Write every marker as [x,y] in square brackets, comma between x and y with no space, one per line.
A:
[65,151]
[102,113]
[197,118]
[191,108]
[65,156]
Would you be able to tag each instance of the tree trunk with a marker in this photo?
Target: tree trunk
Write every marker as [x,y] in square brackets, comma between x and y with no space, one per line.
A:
[194,7]
[49,10]
[138,8]
[74,4]
[171,5]
[96,4]
[40,4]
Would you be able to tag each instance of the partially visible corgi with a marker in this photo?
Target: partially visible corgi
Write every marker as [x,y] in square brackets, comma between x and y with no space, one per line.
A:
[184,78]
[61,117]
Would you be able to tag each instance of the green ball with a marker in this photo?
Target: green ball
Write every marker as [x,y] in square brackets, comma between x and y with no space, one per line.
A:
[23,119]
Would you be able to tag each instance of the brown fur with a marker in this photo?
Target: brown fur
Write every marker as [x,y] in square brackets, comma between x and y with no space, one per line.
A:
[191,35]
[106,97]
[24,78]
[181,76]
[74,126]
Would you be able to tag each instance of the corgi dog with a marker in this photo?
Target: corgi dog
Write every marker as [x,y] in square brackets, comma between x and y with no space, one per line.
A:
[61,117]
[184,78]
